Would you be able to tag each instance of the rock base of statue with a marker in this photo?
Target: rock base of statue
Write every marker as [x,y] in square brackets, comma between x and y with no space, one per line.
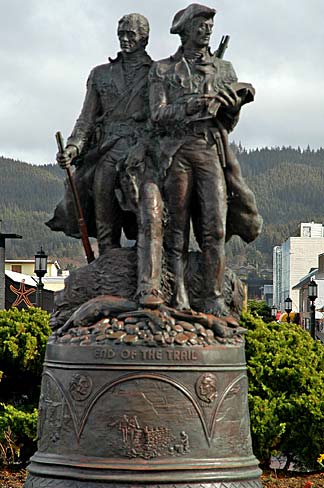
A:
[143,416]
[115,274]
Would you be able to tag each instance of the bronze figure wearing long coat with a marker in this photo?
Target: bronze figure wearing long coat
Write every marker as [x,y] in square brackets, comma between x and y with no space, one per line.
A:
[195,101]
[109,135]
[112,119]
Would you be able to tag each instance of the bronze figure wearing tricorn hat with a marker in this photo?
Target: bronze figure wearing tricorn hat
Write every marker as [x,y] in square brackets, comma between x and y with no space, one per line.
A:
[195,101]
[181,18]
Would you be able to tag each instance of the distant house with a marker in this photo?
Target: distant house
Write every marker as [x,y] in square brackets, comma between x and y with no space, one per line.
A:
[53,280]
[21,283]
[256,288]
[267,293]
[301,287]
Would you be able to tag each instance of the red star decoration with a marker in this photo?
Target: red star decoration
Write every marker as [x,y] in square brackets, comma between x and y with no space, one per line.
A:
[22,294]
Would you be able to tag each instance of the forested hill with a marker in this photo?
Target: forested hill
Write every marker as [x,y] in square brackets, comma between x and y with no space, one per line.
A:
[28,195]
[259,161]
[288,184]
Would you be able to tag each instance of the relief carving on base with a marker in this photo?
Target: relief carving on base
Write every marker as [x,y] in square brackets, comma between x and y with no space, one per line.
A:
[80,387]
[147,441]
[206,388]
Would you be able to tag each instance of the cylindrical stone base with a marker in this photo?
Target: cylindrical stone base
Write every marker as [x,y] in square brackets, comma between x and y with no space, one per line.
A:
[117,416]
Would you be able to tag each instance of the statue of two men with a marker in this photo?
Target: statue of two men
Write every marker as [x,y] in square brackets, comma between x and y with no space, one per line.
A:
[155,135]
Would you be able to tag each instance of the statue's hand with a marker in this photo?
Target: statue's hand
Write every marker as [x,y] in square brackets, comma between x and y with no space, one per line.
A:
[195,104]
[65,158]
[229,98]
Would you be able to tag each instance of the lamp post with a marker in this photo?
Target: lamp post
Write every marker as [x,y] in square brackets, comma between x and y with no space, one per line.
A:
[288,308]
[40,271]
[312,295]
[274,311]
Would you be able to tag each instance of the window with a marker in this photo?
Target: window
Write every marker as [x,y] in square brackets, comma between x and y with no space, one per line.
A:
[16,268]
[306,231]
[306,323]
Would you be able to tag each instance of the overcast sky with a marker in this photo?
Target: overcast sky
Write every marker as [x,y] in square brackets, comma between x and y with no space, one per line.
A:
[48,47]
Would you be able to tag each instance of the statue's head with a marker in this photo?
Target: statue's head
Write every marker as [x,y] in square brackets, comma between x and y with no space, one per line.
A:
[133,32]
[194,25]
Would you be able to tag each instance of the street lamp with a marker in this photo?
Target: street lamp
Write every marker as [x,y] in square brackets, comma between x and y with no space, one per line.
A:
[288,308]
[274,311]
[312,295]
[40,271]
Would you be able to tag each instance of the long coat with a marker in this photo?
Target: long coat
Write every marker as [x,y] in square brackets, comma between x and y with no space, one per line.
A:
[115,108]
[171,84]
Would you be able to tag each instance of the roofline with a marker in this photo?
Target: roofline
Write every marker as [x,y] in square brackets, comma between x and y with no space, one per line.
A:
[305,280]
[26,261]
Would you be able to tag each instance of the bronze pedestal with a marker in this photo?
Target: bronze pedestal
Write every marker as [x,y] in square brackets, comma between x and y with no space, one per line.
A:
[143,416]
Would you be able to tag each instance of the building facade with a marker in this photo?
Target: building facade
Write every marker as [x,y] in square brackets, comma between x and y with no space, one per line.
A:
[317,275]
[53,280]
[293,260]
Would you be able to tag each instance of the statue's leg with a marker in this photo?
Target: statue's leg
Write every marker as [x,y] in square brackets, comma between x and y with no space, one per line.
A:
[212,196]
[149,244]
[107,210]
[178,190]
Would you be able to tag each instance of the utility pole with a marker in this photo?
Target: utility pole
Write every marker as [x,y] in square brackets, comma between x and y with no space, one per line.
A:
[3,237]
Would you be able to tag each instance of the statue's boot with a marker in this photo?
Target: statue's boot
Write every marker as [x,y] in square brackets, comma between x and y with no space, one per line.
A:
[213,269]
[180,299]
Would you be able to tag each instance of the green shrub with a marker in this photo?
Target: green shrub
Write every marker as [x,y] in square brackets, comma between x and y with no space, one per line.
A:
[17,434]
[259,308]
[286,391]
[23,339]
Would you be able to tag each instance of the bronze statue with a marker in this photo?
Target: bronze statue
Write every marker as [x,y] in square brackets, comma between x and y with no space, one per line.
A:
[195,101]
[147,131]
[141,388]
[113,115]
[108,142]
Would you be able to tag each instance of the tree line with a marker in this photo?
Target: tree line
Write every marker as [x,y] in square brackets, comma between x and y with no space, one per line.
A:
[287,183]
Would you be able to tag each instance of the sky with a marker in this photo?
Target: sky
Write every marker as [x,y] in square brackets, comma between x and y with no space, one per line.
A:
[48,47]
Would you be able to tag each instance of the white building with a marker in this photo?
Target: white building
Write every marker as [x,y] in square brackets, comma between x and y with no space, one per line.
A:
[305,315]
[293,260]
[23,269]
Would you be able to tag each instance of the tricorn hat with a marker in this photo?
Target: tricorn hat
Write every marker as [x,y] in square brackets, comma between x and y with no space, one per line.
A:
[186,14]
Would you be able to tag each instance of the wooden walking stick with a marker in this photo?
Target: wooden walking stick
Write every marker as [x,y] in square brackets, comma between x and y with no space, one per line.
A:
[77,204]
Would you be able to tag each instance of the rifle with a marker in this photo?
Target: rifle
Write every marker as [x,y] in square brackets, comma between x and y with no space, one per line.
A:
[223,45]
[77,204]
